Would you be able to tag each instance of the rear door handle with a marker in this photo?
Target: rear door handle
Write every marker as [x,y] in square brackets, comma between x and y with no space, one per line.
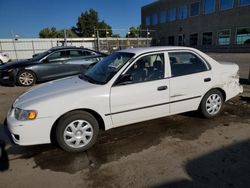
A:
[161,88]
[207,79]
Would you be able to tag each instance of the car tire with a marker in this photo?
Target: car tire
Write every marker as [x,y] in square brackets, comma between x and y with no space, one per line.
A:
[77,131]
[26,78]
[1,62]
[212,103]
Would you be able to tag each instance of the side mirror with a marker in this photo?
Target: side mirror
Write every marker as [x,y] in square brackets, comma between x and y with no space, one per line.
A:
[124,79]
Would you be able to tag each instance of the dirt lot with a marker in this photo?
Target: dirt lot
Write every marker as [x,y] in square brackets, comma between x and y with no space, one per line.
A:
[178,151]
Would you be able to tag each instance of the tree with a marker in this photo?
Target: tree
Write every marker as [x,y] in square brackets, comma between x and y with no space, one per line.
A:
[88,22]
[134,32]
[48,33]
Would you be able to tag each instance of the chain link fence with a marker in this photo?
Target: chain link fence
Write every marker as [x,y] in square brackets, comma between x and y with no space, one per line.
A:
[26,48]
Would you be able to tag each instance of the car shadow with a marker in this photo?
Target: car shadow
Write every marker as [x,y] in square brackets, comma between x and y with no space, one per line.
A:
[225,167]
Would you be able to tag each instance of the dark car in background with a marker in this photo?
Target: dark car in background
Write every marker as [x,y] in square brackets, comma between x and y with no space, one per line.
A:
[52,64]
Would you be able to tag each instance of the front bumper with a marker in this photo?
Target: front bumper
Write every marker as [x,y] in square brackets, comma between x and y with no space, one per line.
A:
[7,78]
[29,132]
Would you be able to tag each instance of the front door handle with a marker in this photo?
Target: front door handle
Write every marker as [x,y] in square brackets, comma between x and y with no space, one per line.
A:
[161,88]
[207,79]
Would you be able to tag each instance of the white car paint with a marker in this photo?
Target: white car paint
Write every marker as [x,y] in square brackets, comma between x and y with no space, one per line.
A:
[114,103]
[4,58]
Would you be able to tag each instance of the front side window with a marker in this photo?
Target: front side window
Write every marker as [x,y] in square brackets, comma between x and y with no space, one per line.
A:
[147,21]
[172,15]
[244,2]
[155,19]
[224,37]
[243,36]
[183,12]
[103,71]
[184,63]
[207,38]
[147,68]
[163,17]
[209,6]
[226,4]
[193,39]
[195,9]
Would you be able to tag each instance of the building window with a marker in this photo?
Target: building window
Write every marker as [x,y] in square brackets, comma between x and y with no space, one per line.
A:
[183,12]
[209,6]
[226,4]
[243,36]
[244,2]
[207,38]
[172,15]
[163,17]
[195,9]
[193,39]
[155,19]
[171,41]
[147,21]
[224,37]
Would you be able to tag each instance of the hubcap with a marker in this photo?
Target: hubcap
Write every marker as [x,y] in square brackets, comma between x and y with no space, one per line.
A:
[213,104]
[26,78]
[78,133]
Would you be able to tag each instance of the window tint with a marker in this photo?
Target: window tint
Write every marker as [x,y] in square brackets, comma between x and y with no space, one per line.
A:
[171,40]
[193,39]
[58,55]
[243,36]
[209,6]
[147,21]
[183,12]
[184,63]
[147,68]
[244,2]
[88,53]
[207,38]
[224,37]
[172,15]
[195,9]
[75,53]
[226,4]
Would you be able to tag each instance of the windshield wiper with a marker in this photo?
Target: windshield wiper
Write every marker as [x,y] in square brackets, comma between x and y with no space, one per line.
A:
[89,79]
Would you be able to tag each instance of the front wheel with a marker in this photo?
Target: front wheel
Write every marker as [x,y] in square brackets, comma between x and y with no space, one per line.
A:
[212,103]
[26,78]
[77,131]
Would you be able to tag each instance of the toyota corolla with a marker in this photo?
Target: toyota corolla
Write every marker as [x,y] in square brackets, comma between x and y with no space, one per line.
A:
[129,86]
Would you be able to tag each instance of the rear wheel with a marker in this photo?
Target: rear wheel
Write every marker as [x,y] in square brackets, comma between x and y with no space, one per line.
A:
[26,78]
[212,103]
[77,131]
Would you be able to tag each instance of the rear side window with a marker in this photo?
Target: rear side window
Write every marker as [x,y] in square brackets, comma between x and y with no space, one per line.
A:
[75,53]
[88,53]
[184,63]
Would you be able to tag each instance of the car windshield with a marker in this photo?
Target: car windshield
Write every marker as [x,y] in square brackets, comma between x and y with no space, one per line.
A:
[40,55]
[103,71]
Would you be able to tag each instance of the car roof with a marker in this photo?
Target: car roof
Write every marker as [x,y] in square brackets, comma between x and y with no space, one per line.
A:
[155,48]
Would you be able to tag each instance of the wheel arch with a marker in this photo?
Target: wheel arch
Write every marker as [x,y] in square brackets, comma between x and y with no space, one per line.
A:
[25,69]
[92,112]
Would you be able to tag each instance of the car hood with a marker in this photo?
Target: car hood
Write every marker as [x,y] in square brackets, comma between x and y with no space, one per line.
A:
[15,64]
[53,89]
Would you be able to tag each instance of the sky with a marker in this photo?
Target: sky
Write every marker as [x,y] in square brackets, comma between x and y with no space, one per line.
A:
[27,17]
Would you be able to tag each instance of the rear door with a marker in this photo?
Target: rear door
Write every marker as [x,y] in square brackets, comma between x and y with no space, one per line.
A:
[145,96]
[191,78]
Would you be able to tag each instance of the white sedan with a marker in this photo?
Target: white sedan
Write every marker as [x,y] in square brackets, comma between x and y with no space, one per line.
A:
[126,87]
[4,58]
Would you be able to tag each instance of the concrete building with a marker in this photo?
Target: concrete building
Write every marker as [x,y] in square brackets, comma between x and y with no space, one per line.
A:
[210,25]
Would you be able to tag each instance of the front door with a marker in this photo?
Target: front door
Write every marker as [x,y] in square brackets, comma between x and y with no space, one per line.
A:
[145,95]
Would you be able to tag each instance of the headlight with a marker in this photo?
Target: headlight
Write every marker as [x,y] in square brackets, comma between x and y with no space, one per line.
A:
[24,115]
